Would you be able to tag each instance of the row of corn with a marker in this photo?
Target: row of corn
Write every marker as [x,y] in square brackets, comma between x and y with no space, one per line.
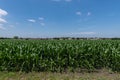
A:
[59,55]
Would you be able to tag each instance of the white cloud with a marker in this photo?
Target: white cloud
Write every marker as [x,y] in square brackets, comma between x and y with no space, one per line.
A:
[68,0]
[1,27]
[78,13]
[2,20]
[42,24]
[56,0]
[87,33]
[3,12]
[41,18]
[89,13]
[62,0]
[32,20]
[84,33]
[42,21]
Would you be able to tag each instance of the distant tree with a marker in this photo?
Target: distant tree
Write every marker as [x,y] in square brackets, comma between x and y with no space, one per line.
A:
[16,37]
[2,38]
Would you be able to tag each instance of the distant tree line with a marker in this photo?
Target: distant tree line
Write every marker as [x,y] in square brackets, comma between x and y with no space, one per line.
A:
[63,38]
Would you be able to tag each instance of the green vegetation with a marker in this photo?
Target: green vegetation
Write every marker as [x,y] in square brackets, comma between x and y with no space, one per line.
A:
[59,55]
[103,75]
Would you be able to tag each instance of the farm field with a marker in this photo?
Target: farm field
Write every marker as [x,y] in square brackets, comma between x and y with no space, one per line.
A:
[59,59]
[59,55]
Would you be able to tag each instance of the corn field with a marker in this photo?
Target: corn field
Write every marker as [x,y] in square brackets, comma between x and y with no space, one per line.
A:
[59,55]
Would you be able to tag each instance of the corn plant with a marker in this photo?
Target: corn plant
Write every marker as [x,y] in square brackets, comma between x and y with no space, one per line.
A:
[59,55]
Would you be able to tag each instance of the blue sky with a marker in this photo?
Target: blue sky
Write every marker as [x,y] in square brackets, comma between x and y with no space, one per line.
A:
[60,18]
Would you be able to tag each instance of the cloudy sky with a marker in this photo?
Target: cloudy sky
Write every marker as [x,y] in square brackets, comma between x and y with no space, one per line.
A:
[60,18]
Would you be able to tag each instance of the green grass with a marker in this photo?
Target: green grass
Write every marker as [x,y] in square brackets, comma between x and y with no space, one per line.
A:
[102,75]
